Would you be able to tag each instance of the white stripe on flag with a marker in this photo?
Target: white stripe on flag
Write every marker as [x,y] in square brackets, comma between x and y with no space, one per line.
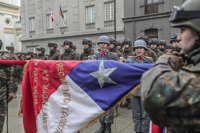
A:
[150,127]
[69,117]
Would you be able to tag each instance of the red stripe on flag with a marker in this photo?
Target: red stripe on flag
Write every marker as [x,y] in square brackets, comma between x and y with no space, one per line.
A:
[13,62]
[155,128]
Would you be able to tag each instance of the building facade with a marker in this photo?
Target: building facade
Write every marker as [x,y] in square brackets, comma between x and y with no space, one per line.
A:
[149,17]
[82,19]
[10,25]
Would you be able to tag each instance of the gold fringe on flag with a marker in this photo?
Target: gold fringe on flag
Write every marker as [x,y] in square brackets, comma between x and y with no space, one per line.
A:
[131,93]
[20,107]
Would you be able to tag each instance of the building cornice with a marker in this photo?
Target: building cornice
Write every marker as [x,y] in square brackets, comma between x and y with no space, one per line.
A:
[9,5]
[9,8]
[147,17]
[23,39]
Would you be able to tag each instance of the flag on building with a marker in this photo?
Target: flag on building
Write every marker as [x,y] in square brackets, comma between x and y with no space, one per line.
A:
[61,13]
[66,96]
[52,17]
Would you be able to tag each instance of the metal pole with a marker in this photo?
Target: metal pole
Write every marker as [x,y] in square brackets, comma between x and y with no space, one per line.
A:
[115,20]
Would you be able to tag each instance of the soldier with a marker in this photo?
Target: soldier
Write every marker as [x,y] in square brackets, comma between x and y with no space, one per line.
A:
[69,54]
[119,46]
[87,51]
[149,52]
[127,48]
[16,70]
[162,44]
[140,118]
[168,48]
[154,46]
[29,55]
[41,54]
[170,91]
[54,53]
[175,42]
[113,47]
[105,55]
[21,68]
[6,85]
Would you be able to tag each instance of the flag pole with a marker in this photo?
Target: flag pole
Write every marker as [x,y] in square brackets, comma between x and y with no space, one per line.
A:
[115,19]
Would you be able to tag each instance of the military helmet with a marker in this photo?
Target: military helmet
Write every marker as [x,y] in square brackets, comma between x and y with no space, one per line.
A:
[74,47]
[29,53]
[40,49]
[127,41]
[52,44]
[144,38]
[140,43]
[68,42]
[169,46]
[10,48]
[174,37]
[119,43]
[1,43]
[113,41]
[153,41]
[87,41]
[188,14]
[162,42]
[104,39]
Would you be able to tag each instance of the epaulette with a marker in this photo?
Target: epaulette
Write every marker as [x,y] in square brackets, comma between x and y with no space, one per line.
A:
[147,57]
[113,53]
[132,56]
[97,52]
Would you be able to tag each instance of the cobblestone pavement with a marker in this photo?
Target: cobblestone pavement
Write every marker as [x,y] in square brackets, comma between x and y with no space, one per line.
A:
[124,123]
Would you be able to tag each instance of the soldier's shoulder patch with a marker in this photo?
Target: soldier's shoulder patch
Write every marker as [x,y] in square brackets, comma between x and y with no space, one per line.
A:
[147,57]
[113,53]
[132,56]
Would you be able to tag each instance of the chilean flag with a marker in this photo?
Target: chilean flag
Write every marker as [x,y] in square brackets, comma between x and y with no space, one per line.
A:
[66,96]
[52,17]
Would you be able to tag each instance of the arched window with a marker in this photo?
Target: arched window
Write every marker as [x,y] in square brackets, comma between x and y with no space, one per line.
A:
[151,33]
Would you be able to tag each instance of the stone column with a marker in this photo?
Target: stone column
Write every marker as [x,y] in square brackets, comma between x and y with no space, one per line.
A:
[2,28]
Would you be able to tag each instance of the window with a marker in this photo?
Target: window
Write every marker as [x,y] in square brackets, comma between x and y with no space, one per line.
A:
[50,24]
[109,11]
[90,14]
[32,24]
[64,22]
[151,1]
[151,33]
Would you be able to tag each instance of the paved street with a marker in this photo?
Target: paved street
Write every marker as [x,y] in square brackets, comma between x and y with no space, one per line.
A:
[124,122]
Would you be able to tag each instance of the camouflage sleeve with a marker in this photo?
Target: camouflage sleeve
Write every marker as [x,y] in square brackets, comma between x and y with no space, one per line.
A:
[170,98]
[77,56]
[9,78]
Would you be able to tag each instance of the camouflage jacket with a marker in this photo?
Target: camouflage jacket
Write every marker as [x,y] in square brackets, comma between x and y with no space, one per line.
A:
[54,55]
[158,52]
[70,55]
[6,78]
[128,52]
[172,98]
[120,50]
[86,53]
[41,56]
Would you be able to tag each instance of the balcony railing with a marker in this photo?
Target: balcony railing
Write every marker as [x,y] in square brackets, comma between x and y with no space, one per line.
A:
[108,23]
[151,8]
[90,25]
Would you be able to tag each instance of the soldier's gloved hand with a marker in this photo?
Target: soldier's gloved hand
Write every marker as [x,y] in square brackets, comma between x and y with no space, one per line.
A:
[175,60]
[10,97]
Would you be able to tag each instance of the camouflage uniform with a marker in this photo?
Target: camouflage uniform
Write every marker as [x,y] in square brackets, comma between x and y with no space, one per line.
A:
[54,55]
[174,38]
[120,44]
[114,50]
[87,52]
[157,51]
[170,93]
[162,43]
[169,46]
[41,56]
[127,51]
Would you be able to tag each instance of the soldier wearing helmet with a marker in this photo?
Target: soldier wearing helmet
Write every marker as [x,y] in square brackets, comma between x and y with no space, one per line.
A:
[29,55]
[149,52]
[162,44]
[105,54]
[41,55]
[168,48]
[154,46]
[69,54]
[175,42]
[113,47]
[87,49]
[170,89]
[128,51]
[54,53]
[119,46]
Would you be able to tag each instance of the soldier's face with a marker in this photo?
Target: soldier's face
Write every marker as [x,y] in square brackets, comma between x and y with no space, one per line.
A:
[162,46]
[67,46]
[175,44]
[126,45]
[18,54]
[112,46]
[139,51]
[86,46]
[119,47]
[28,56]
[39,52]
[103,47]
[153,46]
[51,48]
[186,39]
[9,51]
[169,50]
